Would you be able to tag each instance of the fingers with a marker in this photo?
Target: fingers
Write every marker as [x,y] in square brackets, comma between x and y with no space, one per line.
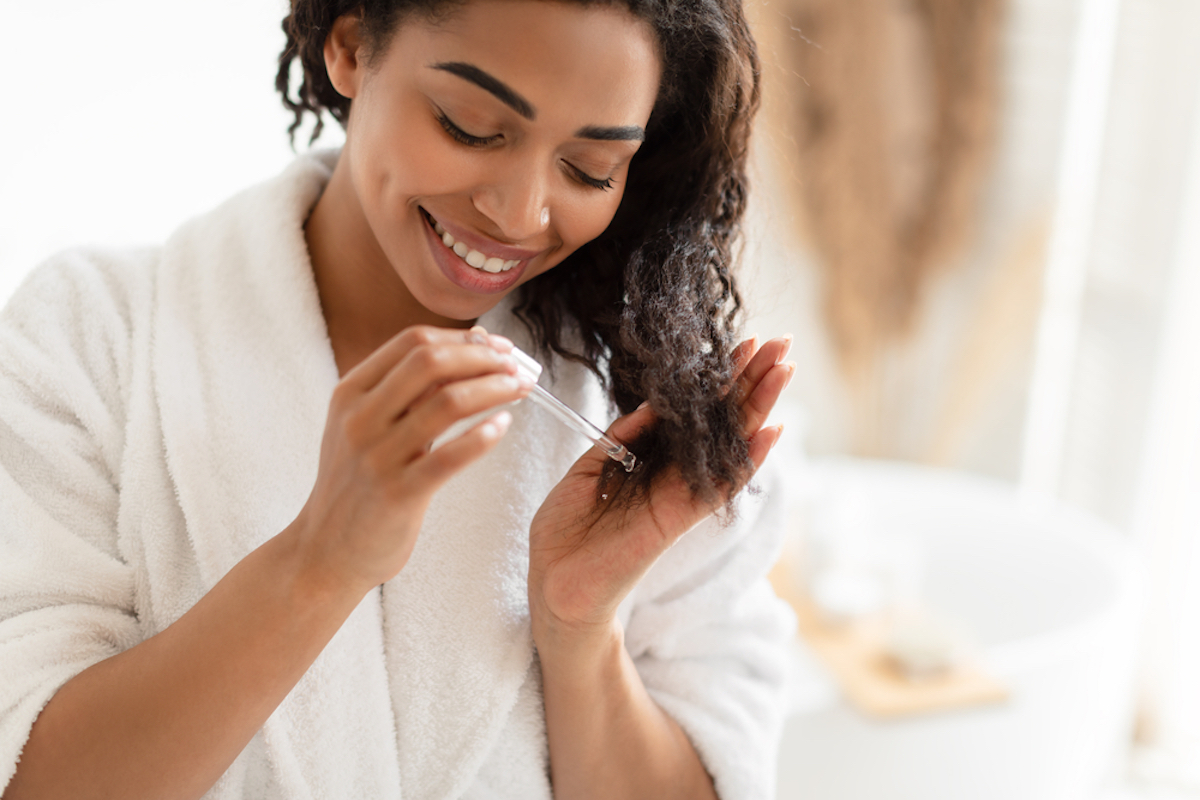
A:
[408,368]
[366,375]
[767,356]
[627,428]
[763,375]
[424,369]
[409,438]
[762,442]
[439,466]
[743,353]
[757,406]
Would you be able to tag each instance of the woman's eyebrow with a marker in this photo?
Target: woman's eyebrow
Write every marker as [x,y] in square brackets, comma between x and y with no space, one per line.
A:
[503,92]
[507,95]
[618,133]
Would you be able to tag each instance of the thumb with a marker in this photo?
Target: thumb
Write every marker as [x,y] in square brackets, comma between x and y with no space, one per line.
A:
[627,428]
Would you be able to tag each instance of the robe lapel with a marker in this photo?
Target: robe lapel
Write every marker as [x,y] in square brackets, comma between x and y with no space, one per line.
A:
[243,377]
[415,688]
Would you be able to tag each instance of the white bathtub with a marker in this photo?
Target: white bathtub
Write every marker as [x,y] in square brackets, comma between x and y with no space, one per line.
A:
[1052,597]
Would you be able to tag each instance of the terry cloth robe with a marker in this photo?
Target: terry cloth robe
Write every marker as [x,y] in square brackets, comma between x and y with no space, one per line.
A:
[161,413]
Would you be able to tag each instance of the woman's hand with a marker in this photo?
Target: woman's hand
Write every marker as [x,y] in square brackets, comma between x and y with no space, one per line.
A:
[581,566]
[377,472]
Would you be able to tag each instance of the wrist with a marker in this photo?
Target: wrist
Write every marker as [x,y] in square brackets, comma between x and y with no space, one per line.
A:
[575,647]
[312,574]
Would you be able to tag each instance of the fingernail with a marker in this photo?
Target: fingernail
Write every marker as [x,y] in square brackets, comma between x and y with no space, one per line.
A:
[791,373]
[497,425]
[477,335]
[525,382]
[643,405]
[787,346]
[501,343]
[778,435]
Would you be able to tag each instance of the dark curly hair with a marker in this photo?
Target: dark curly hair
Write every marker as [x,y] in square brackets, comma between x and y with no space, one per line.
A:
[653,298]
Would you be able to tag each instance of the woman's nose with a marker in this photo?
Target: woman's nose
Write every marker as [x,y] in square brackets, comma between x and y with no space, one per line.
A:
[518,202]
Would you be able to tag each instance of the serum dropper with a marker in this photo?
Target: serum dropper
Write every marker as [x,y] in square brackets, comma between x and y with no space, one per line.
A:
[528,366]
[568,416]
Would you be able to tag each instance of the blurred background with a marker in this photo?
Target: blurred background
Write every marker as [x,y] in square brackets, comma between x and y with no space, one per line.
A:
[980,219]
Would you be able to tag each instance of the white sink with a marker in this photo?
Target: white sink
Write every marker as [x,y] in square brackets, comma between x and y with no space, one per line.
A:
[1051,597]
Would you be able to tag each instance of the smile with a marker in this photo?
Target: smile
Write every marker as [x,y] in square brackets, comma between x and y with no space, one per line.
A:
[475,262]
[473,258]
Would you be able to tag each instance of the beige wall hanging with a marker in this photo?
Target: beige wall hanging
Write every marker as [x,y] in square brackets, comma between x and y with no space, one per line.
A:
[889,110]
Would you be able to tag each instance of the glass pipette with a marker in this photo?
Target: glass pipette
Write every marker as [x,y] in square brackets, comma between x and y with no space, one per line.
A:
[568,416]
[529,366]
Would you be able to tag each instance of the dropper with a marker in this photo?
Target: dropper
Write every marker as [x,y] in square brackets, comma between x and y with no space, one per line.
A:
[569,417]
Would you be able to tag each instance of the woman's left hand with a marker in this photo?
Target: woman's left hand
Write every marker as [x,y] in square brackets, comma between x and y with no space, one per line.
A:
[582,563]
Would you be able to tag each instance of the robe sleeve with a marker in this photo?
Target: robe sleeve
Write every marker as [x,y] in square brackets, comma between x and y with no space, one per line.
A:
[709,638]
[66,595]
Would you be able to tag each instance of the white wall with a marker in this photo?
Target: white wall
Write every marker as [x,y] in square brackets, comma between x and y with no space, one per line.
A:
[123,118]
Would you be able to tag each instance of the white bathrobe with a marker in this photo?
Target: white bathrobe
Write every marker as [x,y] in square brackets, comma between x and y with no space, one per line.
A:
[161,413]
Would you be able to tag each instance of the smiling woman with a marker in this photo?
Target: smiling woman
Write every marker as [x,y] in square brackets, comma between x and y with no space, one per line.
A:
[234,564]
[506,171]
[650,292]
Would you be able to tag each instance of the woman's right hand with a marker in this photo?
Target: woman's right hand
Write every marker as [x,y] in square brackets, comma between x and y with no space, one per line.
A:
[166,717]
[377,472]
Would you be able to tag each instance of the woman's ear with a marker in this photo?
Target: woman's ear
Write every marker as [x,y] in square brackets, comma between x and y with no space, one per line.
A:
[345,55]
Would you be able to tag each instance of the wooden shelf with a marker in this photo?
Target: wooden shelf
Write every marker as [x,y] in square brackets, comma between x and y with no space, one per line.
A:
[854,654]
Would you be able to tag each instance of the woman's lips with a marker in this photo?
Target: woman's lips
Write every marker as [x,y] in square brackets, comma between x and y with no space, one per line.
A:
[462,274]
[484,245]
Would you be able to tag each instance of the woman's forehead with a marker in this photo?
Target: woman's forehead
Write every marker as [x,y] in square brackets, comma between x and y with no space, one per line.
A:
[537,55]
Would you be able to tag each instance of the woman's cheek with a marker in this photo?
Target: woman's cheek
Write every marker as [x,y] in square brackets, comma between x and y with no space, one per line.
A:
[587,220]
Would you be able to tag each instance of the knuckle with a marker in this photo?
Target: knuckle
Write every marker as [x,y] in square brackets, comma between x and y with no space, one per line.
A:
[435,466]
[343,395]
[428,359]
[452,400]
[419,335]
[758,405]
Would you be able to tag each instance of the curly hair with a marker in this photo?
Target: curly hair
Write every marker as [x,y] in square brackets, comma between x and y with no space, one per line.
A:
[653,299]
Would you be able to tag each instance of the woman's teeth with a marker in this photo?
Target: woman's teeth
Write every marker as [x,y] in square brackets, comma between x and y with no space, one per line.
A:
[473,257]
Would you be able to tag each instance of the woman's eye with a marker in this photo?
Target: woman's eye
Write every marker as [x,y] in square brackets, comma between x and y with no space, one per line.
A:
[461,136]
[588,180]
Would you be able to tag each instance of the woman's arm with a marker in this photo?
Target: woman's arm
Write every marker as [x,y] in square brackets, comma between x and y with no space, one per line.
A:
[608,738]
[165,718]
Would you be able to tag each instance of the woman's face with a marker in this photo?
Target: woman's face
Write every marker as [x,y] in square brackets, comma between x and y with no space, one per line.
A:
[486,148]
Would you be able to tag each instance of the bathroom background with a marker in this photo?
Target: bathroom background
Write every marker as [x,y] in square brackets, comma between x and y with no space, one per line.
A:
[980,218]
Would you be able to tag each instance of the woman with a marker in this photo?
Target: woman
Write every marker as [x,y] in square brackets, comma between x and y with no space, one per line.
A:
[207,590]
